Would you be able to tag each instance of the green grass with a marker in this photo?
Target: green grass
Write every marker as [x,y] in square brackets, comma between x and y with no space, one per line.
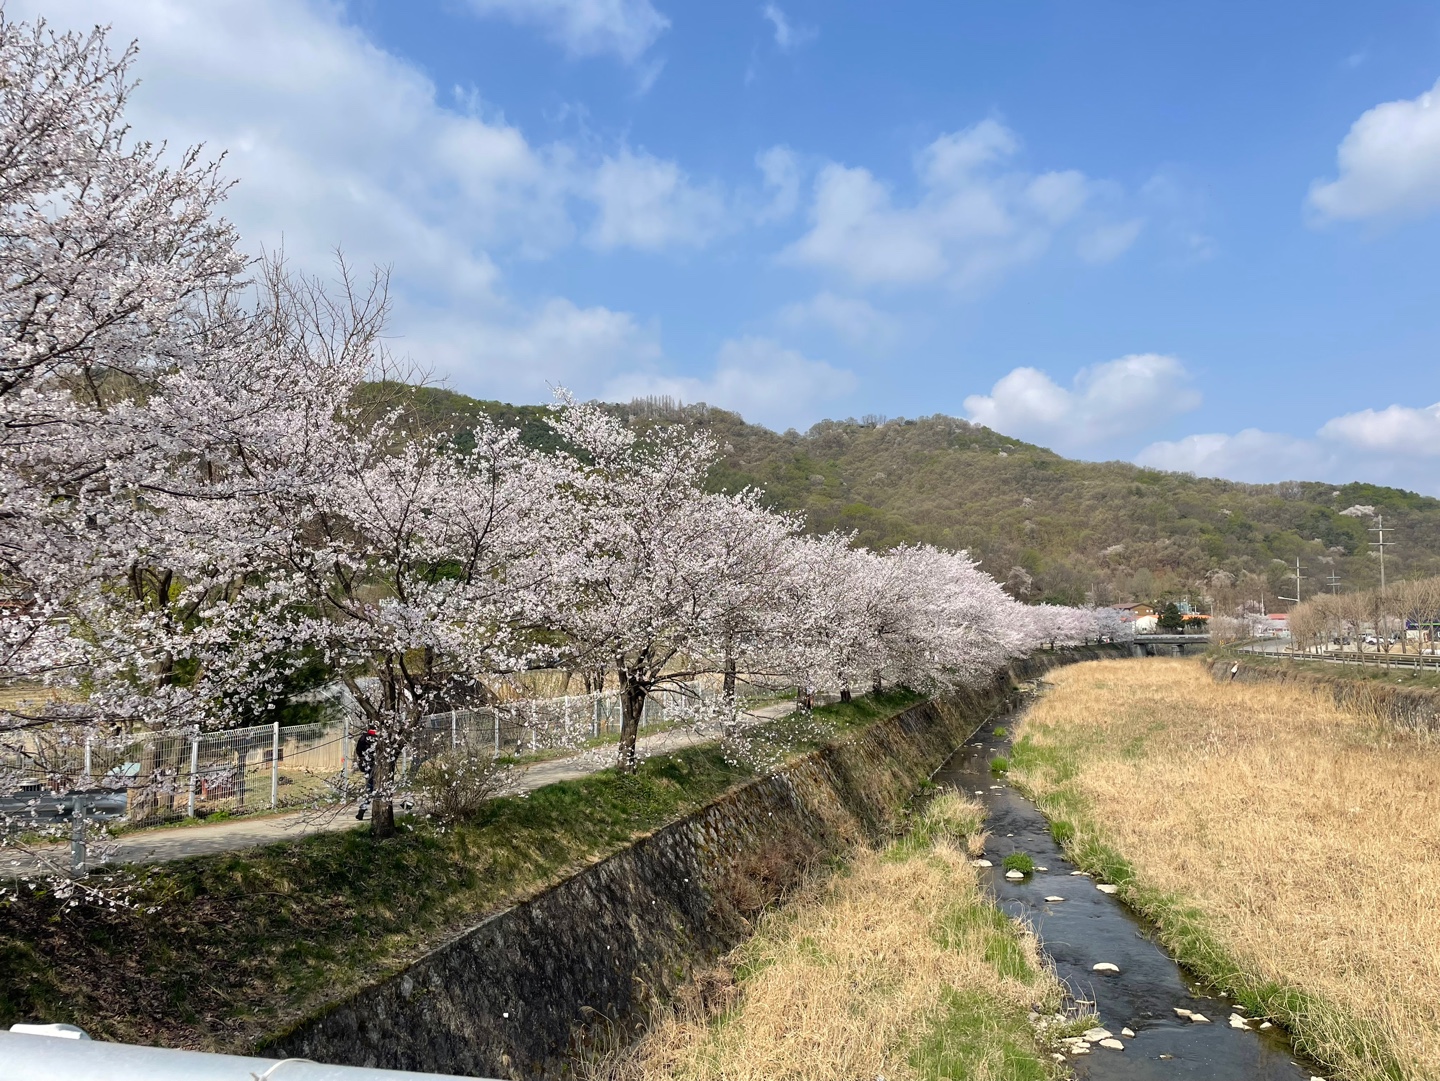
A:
[1018,861]
[999,764]
[971,1033]
[216,950]
[999,731]
[1317,1028]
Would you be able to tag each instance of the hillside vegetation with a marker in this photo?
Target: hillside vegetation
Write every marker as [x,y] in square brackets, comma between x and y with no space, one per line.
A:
[1049,527]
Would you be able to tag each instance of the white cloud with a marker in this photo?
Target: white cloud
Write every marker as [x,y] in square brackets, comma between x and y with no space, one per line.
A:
[1389,163]
[649,203]
[757,377]
[787,35]
[1106,243]
[781,170]
[336,142]
[854,320]
[524,352]
[1399,429]
[1395,446]
[976,215]
[1252,455]
[625,28]
[856,230]
[1107,401]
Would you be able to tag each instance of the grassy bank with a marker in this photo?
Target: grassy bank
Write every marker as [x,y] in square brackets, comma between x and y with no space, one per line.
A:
[898,967]
[216,951]
[1373,670]
[1286,850]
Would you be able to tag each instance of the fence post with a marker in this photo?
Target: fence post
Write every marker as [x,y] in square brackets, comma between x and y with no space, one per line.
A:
[87,756]
[595,717]
[194,769]
[275,766]
[496,714]
[454,731]
[77,837]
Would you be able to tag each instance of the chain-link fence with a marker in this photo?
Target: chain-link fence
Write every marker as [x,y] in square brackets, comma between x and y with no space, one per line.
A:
[156,777]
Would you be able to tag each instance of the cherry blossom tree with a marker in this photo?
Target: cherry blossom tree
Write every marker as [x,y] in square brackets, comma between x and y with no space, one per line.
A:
[117,269]
[631,582]
[201,487]
[756,612]
[405,572]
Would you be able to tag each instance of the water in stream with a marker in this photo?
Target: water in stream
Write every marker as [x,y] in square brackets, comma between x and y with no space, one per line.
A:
[1089,927]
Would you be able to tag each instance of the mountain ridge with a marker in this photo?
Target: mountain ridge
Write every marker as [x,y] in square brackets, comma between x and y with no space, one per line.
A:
[1049,527]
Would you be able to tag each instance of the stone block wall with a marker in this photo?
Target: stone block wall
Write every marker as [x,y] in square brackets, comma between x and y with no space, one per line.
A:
[513,996]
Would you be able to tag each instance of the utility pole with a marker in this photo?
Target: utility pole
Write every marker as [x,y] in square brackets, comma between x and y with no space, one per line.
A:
[1334,580]
[1381,543]
[1295,599]
[1298,579]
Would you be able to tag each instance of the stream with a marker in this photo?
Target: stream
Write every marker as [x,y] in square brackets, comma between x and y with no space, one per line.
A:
[1089,927]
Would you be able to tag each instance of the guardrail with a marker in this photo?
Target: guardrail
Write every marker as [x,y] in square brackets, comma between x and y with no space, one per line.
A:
[1353,657]
[30,1056]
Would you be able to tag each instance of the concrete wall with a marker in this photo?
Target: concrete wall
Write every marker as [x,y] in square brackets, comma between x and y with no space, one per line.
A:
[1406,707]
[514,996]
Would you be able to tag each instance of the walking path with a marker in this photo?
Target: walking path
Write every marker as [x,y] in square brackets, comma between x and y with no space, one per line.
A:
[178,843]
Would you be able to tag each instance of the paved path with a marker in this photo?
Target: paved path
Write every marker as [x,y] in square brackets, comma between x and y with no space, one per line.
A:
[180,842]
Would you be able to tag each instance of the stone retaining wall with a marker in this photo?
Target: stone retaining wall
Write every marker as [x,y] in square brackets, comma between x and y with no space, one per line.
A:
[1413,708]
[512,997]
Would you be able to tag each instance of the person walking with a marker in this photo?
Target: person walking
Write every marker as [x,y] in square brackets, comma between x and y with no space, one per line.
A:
[365,759]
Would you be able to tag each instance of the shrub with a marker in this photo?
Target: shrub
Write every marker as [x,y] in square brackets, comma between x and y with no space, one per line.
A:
[455,785]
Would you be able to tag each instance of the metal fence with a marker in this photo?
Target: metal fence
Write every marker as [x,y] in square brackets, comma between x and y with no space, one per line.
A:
[155,777]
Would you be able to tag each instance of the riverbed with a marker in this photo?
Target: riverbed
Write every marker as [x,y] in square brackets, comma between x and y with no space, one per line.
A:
[1086,927]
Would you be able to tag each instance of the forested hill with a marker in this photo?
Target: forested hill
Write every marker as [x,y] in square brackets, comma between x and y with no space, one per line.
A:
[1050,527]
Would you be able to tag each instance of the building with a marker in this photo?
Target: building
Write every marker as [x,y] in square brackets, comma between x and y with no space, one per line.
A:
[1142,616]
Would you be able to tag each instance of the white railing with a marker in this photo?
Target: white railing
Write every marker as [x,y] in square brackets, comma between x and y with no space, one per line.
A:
[32,1057]
[157,777]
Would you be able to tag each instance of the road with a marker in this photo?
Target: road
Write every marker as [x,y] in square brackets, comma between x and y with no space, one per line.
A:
[181,842]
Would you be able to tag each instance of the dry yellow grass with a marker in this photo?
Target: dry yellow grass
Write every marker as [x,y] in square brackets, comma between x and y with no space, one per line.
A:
[20,696]
[897,968]
[1309,839]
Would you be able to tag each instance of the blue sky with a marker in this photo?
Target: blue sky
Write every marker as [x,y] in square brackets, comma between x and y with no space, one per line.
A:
[1199,237]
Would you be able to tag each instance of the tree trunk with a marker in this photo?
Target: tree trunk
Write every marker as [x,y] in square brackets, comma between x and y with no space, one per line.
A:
[729,688]
[382,805]
[632,707]
[878,686]
[845,692]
